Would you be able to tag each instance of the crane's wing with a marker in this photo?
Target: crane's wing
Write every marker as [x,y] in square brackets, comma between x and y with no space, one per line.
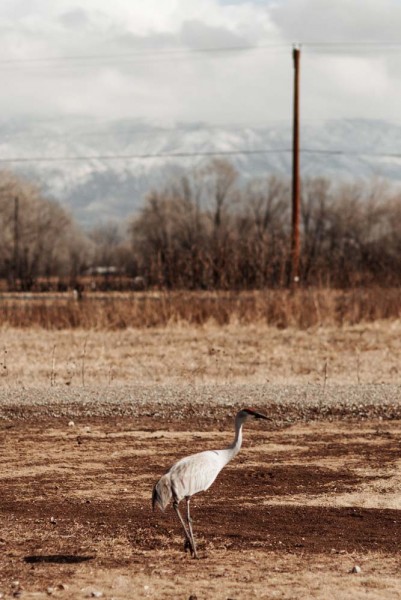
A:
[195,473]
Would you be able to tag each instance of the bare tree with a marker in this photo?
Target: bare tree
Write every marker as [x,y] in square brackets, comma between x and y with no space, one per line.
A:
[108,240]
[203,231]
[38,239]
[315,206]
[263,228]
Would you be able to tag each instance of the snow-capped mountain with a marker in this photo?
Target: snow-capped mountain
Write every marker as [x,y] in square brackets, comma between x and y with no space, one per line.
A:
[103,171]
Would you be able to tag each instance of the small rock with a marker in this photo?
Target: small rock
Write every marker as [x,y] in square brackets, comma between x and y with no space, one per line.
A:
[49,591]
[71,424]
[52,520]
[356,569]
[15,584]
[96,594]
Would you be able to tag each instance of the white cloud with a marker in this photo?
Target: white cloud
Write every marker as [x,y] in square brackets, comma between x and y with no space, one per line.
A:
[250,87]
[339,20]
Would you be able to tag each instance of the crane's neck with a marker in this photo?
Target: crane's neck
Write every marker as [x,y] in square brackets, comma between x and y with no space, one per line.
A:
[235,447]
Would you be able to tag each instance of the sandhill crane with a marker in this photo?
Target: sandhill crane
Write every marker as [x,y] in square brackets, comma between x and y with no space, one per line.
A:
[196,473]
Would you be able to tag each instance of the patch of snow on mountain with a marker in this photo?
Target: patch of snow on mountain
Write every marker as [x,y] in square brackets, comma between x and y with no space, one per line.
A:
[97,189]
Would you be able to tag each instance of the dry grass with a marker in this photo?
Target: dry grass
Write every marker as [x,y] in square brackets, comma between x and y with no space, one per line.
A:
[185,354]
[302,308]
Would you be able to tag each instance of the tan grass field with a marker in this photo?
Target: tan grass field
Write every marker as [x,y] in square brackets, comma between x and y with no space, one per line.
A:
[363,353]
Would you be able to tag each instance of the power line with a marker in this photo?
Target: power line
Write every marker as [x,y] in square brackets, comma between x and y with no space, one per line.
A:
[144,53]
[148,156]
[353,44]
[142,156]
[352,153]
[188,52]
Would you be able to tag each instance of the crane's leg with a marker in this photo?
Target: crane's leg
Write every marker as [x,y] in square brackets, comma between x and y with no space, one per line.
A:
[191,533]
[188,541]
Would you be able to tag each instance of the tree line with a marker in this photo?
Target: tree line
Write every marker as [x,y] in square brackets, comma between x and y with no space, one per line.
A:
[209,230]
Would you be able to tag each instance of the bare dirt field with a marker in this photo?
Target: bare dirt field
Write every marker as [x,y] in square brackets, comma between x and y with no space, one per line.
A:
[314,494]
[296,511]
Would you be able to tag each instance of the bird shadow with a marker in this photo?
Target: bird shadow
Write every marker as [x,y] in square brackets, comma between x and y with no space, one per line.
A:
[57,558]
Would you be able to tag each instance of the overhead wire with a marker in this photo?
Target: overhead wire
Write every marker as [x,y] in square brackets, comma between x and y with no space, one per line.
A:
[138,56]
[148,156]
[146,52]
[158,53]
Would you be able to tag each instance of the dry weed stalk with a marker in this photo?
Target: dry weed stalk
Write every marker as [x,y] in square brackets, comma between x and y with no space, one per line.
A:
[83,362]
[303,308]
[53,372]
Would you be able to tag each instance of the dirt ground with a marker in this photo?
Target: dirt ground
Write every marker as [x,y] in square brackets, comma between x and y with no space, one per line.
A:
[90,420]
[291,517]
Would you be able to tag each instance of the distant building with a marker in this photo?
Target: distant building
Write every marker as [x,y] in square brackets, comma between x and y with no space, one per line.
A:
[104,271]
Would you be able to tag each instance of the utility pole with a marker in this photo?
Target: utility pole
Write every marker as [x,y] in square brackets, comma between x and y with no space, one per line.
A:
[296,184]
[16,242]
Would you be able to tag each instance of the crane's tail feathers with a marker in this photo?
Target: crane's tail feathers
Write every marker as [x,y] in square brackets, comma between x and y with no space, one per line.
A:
[162,493]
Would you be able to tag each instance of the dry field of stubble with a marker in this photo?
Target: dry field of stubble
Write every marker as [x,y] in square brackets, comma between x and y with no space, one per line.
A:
[363,353]
[90,420]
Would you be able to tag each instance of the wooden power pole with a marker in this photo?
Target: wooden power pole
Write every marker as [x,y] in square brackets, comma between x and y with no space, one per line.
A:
[15,266]
[296,183]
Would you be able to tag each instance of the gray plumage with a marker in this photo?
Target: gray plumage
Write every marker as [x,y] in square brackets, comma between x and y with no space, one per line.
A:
[196,473]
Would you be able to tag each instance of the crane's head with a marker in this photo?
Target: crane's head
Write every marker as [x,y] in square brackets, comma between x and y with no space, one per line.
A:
[250,413]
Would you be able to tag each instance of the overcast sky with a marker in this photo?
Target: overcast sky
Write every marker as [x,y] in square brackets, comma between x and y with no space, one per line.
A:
[140,59]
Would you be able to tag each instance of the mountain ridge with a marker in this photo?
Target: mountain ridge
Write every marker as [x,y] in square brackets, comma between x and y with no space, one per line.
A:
[94,169]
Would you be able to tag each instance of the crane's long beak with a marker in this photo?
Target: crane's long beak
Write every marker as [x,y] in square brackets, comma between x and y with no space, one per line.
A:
[260,416]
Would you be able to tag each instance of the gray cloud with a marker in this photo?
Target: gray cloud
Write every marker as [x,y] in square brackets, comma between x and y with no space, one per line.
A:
[151,81]
[338,20]
[195,34]
[75,18]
